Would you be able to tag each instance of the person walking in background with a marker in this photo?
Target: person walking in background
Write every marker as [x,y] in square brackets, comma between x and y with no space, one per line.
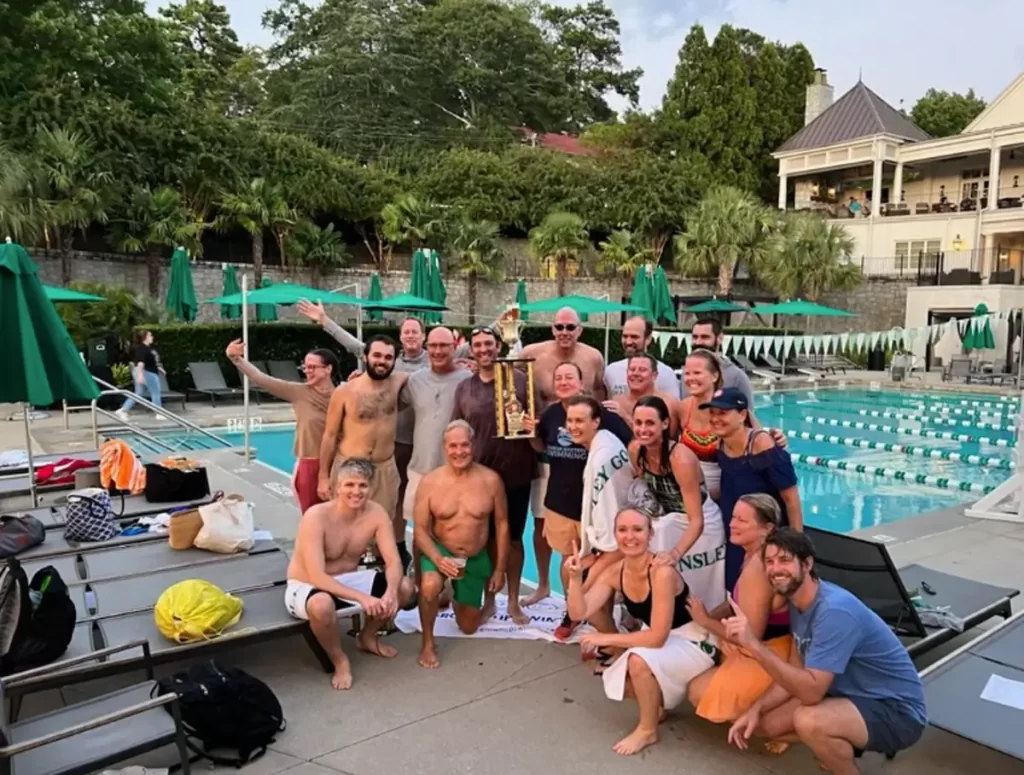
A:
[309,401]
[145,372]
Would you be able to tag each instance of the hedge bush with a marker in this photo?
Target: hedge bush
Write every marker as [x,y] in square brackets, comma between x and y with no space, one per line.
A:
[182,343]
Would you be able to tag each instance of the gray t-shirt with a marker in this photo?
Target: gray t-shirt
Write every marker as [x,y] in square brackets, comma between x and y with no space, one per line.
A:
[431,398]
[615,379]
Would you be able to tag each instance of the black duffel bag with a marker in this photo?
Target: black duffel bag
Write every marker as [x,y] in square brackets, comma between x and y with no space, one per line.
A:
[176,481]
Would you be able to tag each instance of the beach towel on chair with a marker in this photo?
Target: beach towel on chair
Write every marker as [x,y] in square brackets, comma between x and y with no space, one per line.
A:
[606,481]
[120,469]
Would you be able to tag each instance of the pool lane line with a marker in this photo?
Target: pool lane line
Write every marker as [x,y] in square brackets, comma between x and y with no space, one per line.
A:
[1001,401]
[890,415]
[891,473]
[906,449]
[914,406]
[867,426]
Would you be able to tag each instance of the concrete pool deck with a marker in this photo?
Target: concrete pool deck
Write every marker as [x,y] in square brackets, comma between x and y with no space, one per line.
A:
[513,706]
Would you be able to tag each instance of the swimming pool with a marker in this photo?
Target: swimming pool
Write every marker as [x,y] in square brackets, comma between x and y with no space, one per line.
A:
[907,433]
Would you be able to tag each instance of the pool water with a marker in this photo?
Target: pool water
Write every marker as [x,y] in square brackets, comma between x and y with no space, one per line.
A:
[839,500]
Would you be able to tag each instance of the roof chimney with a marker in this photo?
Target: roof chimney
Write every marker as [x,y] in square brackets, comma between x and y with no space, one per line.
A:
[819,96]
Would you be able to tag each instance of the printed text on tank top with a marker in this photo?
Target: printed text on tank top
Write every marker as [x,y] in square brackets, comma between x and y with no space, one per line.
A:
[704,444]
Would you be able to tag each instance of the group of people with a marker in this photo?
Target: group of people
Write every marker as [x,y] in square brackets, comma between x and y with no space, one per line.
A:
[669,497]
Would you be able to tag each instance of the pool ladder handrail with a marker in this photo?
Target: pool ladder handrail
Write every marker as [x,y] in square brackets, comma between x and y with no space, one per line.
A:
[111,390]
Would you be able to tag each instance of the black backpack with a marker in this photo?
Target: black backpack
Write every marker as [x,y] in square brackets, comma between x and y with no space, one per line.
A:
[33,635]
[225,707]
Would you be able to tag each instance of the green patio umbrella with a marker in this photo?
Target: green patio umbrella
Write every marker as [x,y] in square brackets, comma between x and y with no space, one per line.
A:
[405,301]
[44,366]
[714,304]
[68,296]
[266,313]
[181,292]
[642,295]
[801,308]
[376,294]
[521,300]
[438,293]
[419,282]
[584,305]
[287,293]
[663,306]
[229,275]
[979,336]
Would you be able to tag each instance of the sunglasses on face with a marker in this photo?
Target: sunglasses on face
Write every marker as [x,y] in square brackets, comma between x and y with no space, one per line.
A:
[570,327]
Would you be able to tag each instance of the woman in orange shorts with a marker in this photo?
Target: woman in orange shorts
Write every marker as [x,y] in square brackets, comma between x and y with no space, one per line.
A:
[724,693]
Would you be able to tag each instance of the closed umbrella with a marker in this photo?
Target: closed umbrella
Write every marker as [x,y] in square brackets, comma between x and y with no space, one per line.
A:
[44,366]
[266,313]
[181,292]
[521,300]
[229,275]
[419,283]
[663,306]
[438,293]
[979,334]
[642,293]
[375,295]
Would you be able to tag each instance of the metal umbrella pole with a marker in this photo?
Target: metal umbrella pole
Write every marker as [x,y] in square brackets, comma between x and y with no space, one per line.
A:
[607,327]
[245,378]
[26,409]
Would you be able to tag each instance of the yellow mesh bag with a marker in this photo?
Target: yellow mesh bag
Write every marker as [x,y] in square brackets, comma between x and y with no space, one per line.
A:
[194,610]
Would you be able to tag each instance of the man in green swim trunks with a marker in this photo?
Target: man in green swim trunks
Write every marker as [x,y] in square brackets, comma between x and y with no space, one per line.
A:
[455,508]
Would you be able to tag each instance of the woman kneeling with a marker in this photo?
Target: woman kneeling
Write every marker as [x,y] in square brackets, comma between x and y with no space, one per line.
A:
[660,660]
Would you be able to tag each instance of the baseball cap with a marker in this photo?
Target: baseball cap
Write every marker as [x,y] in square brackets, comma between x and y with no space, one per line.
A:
[727,398]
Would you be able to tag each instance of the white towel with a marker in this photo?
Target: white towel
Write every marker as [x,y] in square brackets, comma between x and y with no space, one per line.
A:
[703,566]
[688,652]
[606,480]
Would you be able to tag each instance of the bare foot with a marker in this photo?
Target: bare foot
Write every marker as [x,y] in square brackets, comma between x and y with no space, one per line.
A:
[516,614]
[539,594]
[428,658]
[487,611]
[636,741]
[342,678]
[776,747]
[370,643]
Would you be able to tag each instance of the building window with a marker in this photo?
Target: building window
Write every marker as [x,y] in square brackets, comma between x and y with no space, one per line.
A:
[914,254]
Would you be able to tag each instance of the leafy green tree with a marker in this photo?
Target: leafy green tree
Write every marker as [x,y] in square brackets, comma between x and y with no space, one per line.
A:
[813,258]
[561,238]
[320,249]
[257,207]
[477,184]
[475,251]
[375,186]
[727,229]
[412,221]
[623,254]
[942,113]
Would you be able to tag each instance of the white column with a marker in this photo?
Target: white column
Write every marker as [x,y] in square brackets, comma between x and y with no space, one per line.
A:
[993,178]
[783,183]
[987,262]
[897,187]
[876,186]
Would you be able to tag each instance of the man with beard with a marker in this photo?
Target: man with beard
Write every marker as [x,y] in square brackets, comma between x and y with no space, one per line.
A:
[324,575]
[640,378]
[636,337]
[454,506]
[513,460]
[850,687]
[707,333]
[565,346]
[361,423]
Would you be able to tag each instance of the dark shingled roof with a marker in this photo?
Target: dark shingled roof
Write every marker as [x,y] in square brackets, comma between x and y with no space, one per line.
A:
[858,113]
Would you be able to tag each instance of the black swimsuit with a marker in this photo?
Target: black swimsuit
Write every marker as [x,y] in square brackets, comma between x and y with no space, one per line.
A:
[642,610]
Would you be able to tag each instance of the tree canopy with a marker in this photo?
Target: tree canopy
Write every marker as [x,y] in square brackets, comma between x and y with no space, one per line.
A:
[941,113]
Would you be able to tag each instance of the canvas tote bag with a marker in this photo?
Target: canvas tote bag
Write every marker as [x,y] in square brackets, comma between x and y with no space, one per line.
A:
[227,525]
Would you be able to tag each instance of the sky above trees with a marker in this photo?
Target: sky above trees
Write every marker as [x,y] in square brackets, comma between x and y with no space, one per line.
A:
[901,51]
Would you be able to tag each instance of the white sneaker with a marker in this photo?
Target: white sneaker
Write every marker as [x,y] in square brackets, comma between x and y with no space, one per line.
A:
[122,415]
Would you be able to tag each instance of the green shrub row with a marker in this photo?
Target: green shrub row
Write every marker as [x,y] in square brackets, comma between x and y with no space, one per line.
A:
[180,344]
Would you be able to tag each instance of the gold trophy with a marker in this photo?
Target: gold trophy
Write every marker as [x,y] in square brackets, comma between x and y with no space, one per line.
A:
[508,404]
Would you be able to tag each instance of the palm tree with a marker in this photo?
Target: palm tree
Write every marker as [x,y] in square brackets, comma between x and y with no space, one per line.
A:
[562,237]
[256,207]
[623,253]
[814,258]
[474,249]
[155,220]
[727,229]
[409,220]
[16,217]
[319,249]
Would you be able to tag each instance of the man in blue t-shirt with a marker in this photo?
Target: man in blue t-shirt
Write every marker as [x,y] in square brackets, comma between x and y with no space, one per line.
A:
[850,686]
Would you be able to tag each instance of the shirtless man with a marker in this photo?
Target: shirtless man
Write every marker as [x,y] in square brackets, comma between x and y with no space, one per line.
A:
[361,421]
[641,377]
[566,346]
[323,574]
[454,506]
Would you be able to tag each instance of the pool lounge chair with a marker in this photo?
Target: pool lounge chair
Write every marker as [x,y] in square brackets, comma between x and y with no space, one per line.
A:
[957,368]
[954,685]
[89,736]
[208,380]
[135,506]
[285,370]
[865,568]
[752,368]
[773,364]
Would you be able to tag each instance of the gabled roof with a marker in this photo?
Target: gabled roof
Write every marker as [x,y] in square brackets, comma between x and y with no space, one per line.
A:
[1004,110]
[858,113]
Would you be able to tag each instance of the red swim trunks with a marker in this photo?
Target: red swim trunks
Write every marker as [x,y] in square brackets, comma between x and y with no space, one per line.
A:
[307,471]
